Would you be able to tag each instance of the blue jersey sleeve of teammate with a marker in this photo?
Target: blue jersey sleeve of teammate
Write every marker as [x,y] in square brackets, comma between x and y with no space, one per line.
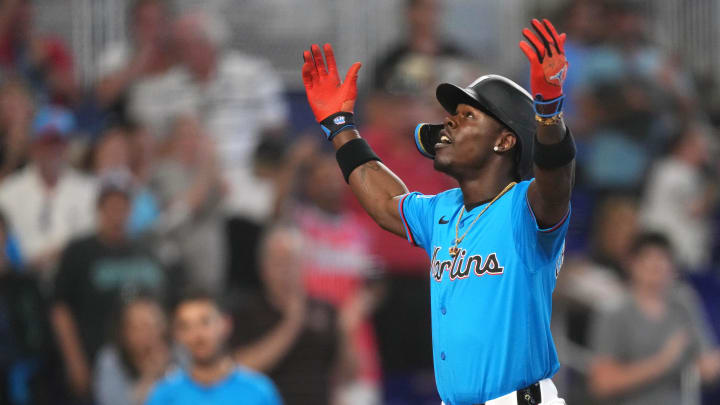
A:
[539,247]
[416,211]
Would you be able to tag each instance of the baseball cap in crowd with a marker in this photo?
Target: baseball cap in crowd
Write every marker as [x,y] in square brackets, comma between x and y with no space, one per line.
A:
[116,181]
[52,123]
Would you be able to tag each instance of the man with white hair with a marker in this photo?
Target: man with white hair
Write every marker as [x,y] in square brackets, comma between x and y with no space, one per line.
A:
[237,96]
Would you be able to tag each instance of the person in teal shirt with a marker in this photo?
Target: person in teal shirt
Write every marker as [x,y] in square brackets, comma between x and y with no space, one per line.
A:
[213,377]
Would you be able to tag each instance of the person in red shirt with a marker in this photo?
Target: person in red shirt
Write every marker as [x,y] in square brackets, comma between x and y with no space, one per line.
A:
[337,266]
[44,62]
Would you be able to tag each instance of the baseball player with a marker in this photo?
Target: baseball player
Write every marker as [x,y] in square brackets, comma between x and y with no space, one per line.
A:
[495,243]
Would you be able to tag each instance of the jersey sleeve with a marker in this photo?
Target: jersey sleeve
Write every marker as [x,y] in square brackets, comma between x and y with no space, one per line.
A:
[540,247]
[416,212]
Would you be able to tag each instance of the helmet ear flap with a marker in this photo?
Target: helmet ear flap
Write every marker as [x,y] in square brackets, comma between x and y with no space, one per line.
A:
[426,136]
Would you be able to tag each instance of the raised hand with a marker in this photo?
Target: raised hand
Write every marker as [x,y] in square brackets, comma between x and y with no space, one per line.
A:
[548,65]
[326,94]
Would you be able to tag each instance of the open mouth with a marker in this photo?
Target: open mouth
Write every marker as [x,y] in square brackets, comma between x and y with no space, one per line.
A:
[444,139]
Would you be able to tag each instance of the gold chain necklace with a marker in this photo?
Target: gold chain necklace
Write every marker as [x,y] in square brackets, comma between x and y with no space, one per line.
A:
[454,250]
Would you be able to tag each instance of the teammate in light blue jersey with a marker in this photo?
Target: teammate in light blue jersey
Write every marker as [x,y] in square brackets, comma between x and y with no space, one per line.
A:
[495,243]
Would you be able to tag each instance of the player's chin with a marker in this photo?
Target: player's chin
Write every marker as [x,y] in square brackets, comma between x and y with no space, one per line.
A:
[442,163]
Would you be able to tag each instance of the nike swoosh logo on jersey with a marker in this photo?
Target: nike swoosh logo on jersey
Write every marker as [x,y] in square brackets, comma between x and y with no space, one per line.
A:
[442,220]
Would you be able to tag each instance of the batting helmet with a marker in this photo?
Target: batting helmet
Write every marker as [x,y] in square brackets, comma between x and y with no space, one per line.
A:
[497,96]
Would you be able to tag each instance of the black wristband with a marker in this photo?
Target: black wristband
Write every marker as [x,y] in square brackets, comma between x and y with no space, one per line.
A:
[353,154]
[554,155]
[336,123]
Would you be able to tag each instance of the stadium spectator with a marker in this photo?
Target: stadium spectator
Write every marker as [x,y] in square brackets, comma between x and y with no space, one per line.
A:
[583,23]
[190,189]
[637,53]
[678,184]
[633,98]
[646,347]
[114,156]
[142,160]
[420,59]
[16,114]
[95,273]
[44,62]
[48,202]
[337,266]
[626,134]
[111,153]
[203,328]
[273,180]
[295,339]
[238,96]
[28,367]
[143,150]
[592,284]
[126,67]
[614,229]
[127,368]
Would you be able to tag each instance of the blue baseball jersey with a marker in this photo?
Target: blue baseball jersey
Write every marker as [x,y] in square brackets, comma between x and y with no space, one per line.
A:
[242,386]
[491,303]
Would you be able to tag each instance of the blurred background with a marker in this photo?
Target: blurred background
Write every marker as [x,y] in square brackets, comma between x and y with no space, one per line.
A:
[151,145]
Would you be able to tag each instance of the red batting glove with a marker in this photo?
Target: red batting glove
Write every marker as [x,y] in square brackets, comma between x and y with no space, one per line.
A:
[325,93]
[548,65]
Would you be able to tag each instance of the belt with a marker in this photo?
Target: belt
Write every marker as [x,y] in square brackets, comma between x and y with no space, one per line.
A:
[529,395]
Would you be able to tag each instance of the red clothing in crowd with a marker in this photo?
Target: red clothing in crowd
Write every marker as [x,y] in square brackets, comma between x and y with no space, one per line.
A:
[56,54]
[336,264]
[398,152]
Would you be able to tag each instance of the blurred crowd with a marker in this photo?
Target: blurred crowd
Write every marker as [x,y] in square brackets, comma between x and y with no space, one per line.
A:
[164,229]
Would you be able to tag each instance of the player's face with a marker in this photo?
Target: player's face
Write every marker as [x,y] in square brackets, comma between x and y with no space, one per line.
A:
[202,329]
[467,140]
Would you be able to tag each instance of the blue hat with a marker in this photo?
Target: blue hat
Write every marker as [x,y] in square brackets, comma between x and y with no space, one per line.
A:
[52,121]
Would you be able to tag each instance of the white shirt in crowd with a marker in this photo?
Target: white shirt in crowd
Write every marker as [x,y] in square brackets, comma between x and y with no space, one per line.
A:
[673,189]
[244,96]
[44,219]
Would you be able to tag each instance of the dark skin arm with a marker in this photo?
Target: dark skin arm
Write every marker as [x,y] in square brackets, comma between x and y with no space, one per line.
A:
[377,188]
[549,194]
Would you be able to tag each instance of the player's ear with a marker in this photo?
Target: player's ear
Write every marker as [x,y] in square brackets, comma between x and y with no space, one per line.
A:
[506,141]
